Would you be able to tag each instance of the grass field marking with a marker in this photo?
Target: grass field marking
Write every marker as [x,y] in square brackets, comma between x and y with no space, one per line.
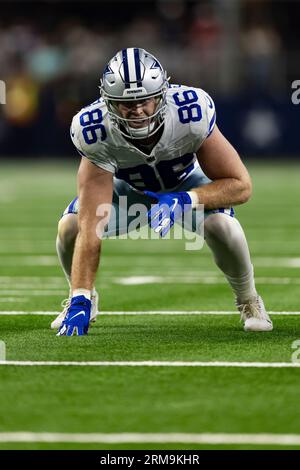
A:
[152,364]
[30,278]
[143,280]
[24,259]
[33,293]
[282,262]
[32,260]
[145,312]
[196,279]
[20,312]
[186,438]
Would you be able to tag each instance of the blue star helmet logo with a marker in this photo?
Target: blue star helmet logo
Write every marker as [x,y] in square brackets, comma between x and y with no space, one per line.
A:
[107,70]
[156,65]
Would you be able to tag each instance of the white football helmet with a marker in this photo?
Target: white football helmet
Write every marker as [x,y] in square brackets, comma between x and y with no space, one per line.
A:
[134,75]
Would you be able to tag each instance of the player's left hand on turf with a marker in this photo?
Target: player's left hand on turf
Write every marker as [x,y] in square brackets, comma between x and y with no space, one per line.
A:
[77,318]
[169,208]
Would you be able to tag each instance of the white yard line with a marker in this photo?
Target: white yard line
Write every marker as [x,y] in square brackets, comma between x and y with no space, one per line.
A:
[145,312]
[32,260]
[146,280]
[203,438]
[33,293]
[20,312]
[31,279]
[196,279]
[281,262]
[258,365]
[25,259]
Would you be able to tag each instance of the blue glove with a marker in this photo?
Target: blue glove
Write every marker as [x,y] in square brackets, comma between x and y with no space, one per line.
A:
[78,317]
[169,208]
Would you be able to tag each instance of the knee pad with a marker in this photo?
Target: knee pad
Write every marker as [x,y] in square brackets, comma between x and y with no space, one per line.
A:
[221,226]
[68,228]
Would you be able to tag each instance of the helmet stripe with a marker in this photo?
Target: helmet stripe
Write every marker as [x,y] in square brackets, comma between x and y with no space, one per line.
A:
[137,67]
[125,66]
[131,67]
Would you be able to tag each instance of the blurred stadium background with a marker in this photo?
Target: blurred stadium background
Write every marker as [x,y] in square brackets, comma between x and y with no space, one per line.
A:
[244,52]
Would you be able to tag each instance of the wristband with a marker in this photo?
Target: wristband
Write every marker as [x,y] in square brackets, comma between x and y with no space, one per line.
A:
[194,198]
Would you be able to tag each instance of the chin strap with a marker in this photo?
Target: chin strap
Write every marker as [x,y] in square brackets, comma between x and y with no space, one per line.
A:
[142,131]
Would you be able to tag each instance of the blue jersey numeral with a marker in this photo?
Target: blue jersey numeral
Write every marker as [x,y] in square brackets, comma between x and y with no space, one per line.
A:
[188,110]
[171,172]
[91,122]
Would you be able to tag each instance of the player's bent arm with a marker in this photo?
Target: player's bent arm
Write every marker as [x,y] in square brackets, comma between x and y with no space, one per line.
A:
[231,183]
[95,188]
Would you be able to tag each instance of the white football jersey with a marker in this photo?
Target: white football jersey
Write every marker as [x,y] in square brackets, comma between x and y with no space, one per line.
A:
[190,118]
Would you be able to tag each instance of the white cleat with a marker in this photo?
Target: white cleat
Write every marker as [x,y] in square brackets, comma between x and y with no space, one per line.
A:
[254,315]
[56,324]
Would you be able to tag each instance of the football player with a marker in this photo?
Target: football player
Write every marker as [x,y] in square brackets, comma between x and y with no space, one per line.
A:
[153,143]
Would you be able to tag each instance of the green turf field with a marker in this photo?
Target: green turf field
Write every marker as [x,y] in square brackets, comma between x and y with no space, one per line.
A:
[142,276]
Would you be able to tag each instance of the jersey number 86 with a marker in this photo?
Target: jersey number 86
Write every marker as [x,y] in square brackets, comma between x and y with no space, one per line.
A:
[188,110]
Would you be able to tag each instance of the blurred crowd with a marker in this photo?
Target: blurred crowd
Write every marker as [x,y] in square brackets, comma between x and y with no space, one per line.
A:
[51,72]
